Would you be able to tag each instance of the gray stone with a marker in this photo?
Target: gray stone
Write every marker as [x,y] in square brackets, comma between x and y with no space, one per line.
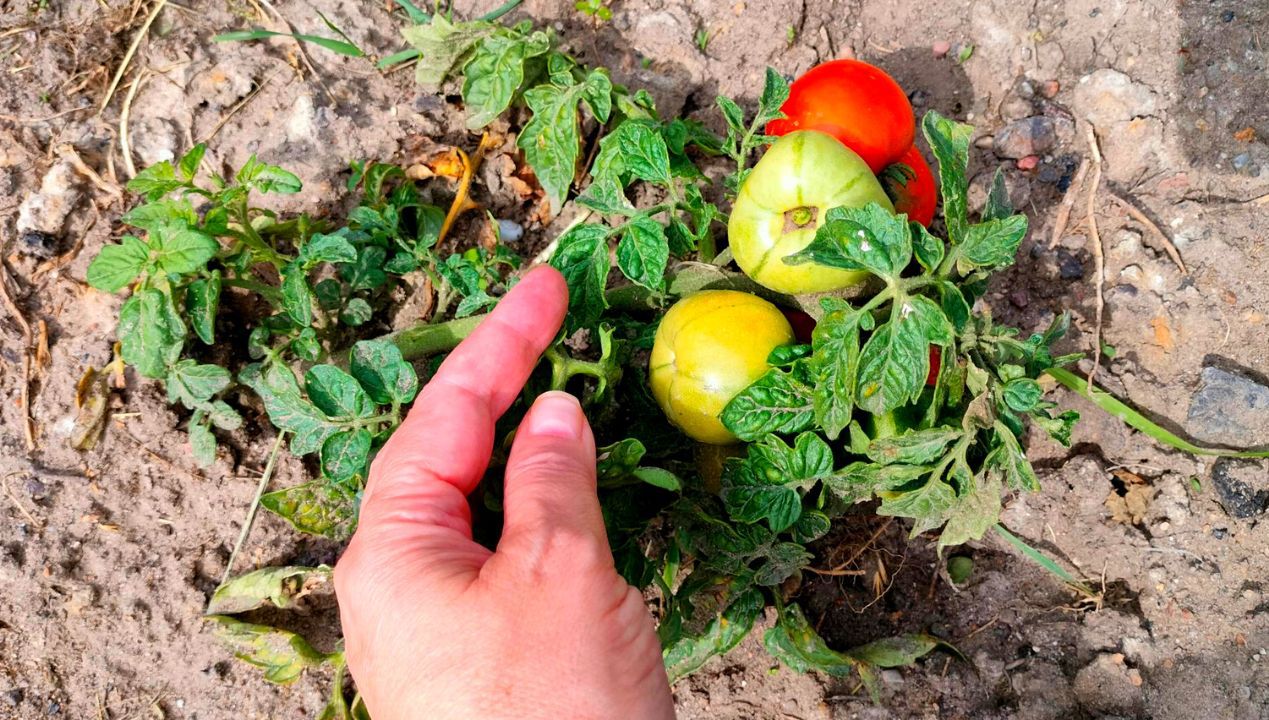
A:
[1241,486]
[1105,686]
[1028,136]
[1105,97]
[1229,409]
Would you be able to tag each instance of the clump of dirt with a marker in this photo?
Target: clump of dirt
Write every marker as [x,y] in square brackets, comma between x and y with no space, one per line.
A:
[111,553]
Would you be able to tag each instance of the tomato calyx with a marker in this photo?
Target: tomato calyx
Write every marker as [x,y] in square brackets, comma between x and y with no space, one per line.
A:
[799,218]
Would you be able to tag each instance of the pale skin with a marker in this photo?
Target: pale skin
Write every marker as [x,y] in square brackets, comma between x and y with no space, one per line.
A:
[437,626]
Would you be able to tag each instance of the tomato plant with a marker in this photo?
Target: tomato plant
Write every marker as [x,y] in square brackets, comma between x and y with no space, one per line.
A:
[910,185]
[783,202]
[855,102]
[709,347]
[904,401]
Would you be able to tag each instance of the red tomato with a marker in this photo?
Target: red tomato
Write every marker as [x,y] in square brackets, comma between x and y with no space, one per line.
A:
[855,102]
[936,363]
[910,185]
[803,324]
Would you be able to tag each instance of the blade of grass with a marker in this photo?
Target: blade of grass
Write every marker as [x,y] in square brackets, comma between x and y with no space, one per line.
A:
[1135,419]
[416,15]
[397,58]
[331,44]
[1043,561]
[334,28]
[500,10]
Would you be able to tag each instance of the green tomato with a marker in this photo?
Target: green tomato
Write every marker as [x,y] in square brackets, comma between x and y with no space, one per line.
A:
[709,347]
[786,199]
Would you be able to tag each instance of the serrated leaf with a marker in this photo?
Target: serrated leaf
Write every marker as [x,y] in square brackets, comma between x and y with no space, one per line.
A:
[282,654]
[150,332]
[1059,428]
[597,94]
[356,313]
[992,244]
[916,447]
[336,393]
[1009,458]
[796,644]
[278,586]
[156,181]
[616,461]
[643,252]
[782,561]
[443,46]
[550,139]
[383,372]
[779,401]
[158,213]
[202,443]
[1022,395]
[287,408]
[191,160]
[367,272]
[297,296]
[927,248]
[974,514]
[998,205]
[811,526]
[949,140]
[868,238]
[202,302]
[117,265]
[178,248]
[316,508]
[306,346]
[344,455]
[582,257]
[190,383]
[836,366]
[732,114]
[749,498]
[930,500]
[775,90]
[326,248]
[637,149]
[686,655]
[495,73]
[895,361]
[268,178]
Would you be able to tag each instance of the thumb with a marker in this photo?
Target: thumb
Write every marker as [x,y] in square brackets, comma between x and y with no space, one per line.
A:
[549,498]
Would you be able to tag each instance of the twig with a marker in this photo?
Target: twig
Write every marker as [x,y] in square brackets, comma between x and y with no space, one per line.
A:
[234,110]
[35,522]
[1263,199]
[37,121]
[1068,202]
[125,148]
[255,505]
[1099,260]
[28,425]
[1150,225]
[67,152]
[127,58]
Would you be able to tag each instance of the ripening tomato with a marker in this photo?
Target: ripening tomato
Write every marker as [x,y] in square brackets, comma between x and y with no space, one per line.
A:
[857,103]
[786,198]
[709,347]
[910,184]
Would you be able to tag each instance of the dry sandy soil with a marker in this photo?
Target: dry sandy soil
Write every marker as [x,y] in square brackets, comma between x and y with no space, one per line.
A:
[107,557]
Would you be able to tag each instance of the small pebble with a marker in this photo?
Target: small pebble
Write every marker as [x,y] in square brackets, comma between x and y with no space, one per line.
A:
[941,48]
[1029,162]
[1050,88]
[1071,268]
[14,696]
[1019,298]
[1220,533]
[36,489]
[1227,16]
[510,231]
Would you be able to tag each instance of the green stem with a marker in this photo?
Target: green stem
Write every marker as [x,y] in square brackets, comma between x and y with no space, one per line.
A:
[432,338]
[253,239]
[255,505]
[948,266]
[268,292]
[501,10]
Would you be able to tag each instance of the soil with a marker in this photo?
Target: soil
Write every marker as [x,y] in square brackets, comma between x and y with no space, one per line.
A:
[108,556]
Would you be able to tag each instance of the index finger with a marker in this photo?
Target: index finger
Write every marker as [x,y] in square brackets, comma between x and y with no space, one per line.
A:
[447,437]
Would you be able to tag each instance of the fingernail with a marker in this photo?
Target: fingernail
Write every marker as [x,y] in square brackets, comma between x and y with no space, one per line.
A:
[556,414]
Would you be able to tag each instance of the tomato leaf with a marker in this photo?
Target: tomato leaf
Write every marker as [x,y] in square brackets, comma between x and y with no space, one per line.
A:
[337,393]
[344,455]
[582,257]
[178,248]
[202,443]
[950,142]
[795,643]
[778,401]
[998,206]
[317,508]
[868,238]
[202,302]
[150,332]
[836,365]
[928,249]
[384,374]
[913,448]
[297,296]
[156,181]
[117,265]
[191,383]
[1009,458]
[276,586]
[550,140]
[326,248]
[895,361]
[992,244]
[974,514]
[928,500]
[287,408]
[282,654]
[644,252]
[896,651]
[724,632]
[495,73]
[443,46]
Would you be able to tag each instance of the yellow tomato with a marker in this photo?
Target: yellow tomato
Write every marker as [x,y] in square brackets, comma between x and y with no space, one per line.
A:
[785,200]
[709,347]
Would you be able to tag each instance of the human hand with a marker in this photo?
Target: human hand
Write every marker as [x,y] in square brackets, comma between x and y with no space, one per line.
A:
[438,626]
